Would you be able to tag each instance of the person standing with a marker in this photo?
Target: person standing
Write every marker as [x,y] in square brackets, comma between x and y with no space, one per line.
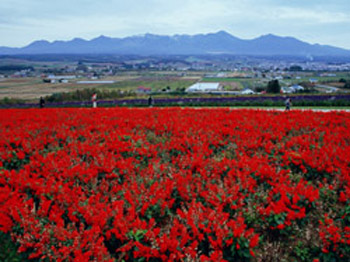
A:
[150,101]
[94,100]
[288,104]
[41,102]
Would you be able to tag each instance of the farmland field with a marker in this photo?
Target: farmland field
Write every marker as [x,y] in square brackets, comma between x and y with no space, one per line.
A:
[172,184]
[31,88]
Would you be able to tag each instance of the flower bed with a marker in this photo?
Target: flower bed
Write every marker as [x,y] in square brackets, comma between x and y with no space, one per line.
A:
[174,185]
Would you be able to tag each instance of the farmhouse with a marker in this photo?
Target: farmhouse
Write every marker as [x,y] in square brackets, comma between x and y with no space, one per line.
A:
[143,90]
[313,80]
[204,88]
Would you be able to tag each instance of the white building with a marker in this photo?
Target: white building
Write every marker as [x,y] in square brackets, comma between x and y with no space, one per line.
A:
[58,77]
[297,88]
[247,91]
[313,80]
[286,90]
[204,88]
[292,89]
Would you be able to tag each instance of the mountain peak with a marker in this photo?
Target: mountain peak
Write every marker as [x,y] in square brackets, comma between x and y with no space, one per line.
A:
[78,39]
[223,32]
[101,37]
[149,35]
[39,43]
[272,37]
[269,36]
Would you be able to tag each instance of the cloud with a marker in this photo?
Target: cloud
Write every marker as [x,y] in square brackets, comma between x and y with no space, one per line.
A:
[22,21]
[311,16]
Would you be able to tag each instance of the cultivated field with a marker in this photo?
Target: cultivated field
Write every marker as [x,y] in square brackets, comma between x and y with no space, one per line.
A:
[33,88]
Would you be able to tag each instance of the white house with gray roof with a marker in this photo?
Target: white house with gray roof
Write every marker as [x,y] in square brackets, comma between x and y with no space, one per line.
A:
[204,88]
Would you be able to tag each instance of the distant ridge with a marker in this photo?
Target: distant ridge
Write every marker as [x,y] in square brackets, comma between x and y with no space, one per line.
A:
[201,44]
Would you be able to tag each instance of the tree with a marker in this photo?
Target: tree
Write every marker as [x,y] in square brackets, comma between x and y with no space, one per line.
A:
[273,87]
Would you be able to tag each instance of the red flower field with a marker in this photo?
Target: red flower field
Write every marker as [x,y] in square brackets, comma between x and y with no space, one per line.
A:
[170,184]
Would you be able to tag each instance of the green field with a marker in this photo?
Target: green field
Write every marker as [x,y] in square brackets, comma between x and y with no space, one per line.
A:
[156,85]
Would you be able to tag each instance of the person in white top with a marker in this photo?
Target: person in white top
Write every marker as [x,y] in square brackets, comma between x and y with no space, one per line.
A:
[94,100]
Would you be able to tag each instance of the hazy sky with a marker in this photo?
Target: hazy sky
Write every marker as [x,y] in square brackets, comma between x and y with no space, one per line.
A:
[314,21]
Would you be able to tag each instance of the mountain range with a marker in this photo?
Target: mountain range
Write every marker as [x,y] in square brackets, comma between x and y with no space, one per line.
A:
[201,44]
